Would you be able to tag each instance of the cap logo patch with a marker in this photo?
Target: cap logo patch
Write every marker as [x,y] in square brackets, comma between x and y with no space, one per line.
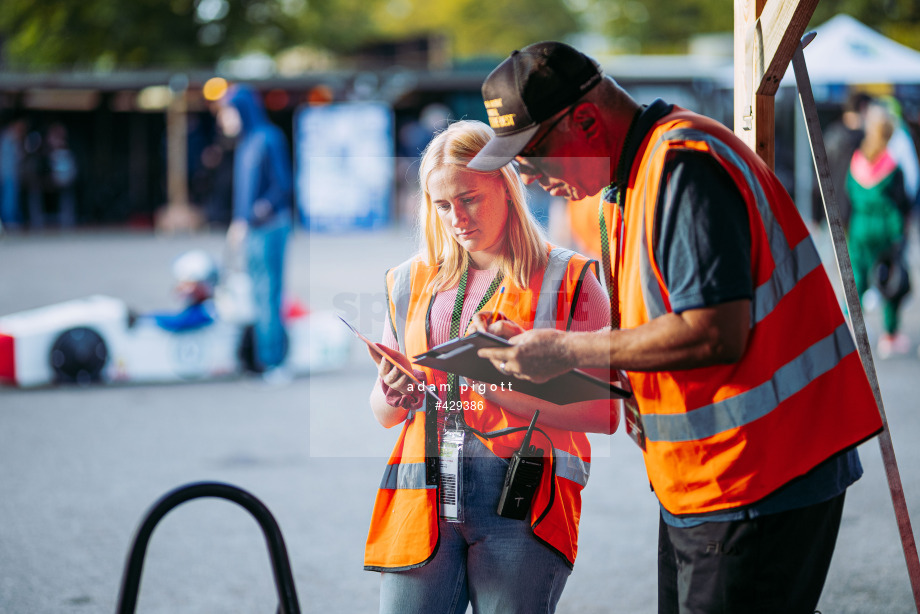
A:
[500,121]
[496,119]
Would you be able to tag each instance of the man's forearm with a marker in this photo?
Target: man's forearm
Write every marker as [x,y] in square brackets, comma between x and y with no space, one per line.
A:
[693,339]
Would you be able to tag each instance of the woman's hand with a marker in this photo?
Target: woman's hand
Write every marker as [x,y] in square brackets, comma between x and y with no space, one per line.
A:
[502,327]
[407,393]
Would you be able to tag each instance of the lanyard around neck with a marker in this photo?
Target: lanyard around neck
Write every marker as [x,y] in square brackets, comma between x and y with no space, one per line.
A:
[618,187]
[452,379]
[612,269]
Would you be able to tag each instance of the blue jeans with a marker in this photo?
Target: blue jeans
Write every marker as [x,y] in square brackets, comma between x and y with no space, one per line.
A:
[265,246]
[492,562]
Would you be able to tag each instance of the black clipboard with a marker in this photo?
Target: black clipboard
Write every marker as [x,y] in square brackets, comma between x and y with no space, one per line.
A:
[460,356]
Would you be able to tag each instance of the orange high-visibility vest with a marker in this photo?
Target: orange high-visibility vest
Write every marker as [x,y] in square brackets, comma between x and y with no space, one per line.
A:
[404,527]
[725,436]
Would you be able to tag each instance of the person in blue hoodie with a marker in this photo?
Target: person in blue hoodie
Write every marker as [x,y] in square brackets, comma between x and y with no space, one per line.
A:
[262,202]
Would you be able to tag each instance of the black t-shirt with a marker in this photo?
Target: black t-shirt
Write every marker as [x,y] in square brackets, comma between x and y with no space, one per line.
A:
[703,238]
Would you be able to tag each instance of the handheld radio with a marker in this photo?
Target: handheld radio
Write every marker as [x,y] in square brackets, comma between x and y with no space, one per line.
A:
[522,478]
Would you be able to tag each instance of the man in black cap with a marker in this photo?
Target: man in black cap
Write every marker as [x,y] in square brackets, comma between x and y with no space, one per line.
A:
[749,396]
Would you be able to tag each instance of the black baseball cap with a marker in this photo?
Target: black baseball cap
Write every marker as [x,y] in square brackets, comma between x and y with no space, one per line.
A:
[529,87]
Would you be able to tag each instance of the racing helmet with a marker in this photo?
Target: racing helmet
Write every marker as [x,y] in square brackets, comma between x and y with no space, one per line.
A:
[196,274]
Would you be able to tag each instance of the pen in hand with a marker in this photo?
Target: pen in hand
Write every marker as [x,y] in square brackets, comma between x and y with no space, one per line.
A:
[501,295]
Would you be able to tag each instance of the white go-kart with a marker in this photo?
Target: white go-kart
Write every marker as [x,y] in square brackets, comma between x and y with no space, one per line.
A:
[100,339]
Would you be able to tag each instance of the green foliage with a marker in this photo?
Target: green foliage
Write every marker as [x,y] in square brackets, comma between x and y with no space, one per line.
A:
[896,19]
[479,27]
[56,34]
[664,26]
[335,25]
[61,34]
[43,34]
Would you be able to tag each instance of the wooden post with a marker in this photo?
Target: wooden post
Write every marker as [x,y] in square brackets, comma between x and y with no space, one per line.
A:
[766,34]
[178,215]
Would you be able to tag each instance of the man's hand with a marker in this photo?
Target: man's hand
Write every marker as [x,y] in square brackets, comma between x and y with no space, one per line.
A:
[536,355]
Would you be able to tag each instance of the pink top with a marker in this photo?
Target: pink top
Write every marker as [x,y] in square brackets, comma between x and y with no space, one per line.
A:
[868,173]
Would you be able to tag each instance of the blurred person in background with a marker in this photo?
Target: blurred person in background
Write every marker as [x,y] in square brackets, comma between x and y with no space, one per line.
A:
[211,183]
[902,149]
[33,177]
[841,140]
[60,171]
[878,219]
[576,221]
[262,203]
[10,169]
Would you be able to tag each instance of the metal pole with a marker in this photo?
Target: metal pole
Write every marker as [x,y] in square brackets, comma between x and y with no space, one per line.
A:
[281,566]
[828,195]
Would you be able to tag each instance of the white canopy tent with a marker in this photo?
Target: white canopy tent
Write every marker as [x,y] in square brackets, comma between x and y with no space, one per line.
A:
[846,51]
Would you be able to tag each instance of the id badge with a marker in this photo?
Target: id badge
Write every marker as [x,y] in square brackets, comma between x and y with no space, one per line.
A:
[631,413]
[451,475]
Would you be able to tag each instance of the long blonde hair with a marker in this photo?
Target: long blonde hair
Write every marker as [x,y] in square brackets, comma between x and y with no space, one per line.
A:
[523,242]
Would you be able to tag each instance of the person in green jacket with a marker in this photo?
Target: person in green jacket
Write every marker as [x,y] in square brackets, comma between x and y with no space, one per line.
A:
[878,222]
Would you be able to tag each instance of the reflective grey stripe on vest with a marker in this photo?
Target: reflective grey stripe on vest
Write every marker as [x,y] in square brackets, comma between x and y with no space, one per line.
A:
[757,402]
[551,287]
[405,475]
[790,265]
[571,467]
[412,475]
[651,291]
[401,293]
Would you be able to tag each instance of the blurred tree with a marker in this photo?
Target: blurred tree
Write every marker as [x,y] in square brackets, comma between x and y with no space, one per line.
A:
[45,34]
[48,34]
[479,27]
[665,26]
[656,26]
[896,19]
[42,34]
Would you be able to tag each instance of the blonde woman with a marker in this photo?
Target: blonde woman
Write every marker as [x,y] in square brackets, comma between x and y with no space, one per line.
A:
[435,532]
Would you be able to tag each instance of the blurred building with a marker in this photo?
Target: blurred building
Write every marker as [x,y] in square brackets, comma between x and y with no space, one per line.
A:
[117,122]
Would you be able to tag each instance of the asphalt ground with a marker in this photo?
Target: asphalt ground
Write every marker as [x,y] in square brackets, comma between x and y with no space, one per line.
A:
[79,467]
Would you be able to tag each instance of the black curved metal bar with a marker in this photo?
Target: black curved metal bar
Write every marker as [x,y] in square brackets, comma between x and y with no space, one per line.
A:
[281,566]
